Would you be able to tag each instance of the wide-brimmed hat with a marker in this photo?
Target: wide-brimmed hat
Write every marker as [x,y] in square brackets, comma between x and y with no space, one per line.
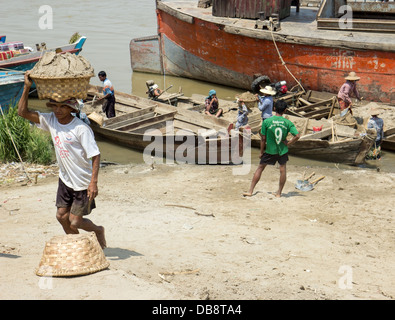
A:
[352,76]
[268,90]
[374,112]
[73,103]
[72,255]
[94,116]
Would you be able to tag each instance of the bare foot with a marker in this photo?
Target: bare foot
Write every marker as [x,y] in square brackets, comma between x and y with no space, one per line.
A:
[101,238]
[275,194]
[247,194]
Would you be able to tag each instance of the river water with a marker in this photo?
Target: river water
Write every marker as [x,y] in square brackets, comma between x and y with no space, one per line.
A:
[109,27]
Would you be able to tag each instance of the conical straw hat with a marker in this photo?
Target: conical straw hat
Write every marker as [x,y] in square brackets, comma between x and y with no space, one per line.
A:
[72,255]
[352,76]
[94,116]
[268,90]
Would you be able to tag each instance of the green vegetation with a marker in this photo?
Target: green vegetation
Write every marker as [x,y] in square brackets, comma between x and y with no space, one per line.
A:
[33,144]
[74,37]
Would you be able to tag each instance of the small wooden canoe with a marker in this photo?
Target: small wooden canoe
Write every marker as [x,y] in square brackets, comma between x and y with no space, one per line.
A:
[162,130]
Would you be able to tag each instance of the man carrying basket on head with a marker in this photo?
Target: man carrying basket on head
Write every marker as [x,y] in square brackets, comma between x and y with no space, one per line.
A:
[78,157]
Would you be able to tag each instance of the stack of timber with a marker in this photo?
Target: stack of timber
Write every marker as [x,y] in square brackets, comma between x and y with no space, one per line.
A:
[311,104]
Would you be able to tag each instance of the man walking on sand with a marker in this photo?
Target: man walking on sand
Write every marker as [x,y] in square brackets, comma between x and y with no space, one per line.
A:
[75,145]
[274,146]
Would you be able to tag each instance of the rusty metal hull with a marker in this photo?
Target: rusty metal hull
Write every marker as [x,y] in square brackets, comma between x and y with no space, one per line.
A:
[196,45]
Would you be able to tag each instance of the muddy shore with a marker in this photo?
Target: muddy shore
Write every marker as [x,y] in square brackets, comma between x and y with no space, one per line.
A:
[186,232]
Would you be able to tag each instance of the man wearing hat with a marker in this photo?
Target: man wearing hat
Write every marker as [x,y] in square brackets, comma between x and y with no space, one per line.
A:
[376,123]
[78,158]
[348,88]
[265,102]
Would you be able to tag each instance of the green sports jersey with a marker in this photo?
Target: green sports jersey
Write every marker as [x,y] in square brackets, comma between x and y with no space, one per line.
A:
[276,130]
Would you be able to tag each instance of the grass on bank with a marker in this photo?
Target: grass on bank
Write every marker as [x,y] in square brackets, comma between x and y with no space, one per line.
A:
[33,144]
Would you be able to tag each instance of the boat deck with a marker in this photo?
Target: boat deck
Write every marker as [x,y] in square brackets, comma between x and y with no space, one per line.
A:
[298,27]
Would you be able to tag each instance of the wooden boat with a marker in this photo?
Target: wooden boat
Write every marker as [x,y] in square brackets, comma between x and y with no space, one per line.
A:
[27,61]
[388,142]
[11,88]
[217,44]
[163,130]
[332,143]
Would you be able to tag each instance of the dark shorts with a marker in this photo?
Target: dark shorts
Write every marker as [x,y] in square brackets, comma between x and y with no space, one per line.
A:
[109,107]
[273,158]
[78,201]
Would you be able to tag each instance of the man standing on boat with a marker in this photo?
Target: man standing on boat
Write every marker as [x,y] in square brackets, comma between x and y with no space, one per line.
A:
[265,102]
[78,157]
[349,87]
[109,97]
[274,146]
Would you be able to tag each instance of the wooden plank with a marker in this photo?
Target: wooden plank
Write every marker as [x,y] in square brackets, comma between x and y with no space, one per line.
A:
[317,135]
[124,123]
[146,123]
[389,132]
[113,122]
[315,105]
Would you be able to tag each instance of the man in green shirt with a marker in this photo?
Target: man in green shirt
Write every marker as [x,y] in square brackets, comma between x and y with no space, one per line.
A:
[274,146]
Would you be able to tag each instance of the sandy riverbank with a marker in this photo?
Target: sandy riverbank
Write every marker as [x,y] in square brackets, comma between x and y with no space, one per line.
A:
[185,232]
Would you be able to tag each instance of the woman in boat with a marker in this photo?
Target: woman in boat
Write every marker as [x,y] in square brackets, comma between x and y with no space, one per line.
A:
[212,104]
[348,88]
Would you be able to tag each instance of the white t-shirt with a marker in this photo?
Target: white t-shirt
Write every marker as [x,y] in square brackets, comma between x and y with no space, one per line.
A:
[75,145]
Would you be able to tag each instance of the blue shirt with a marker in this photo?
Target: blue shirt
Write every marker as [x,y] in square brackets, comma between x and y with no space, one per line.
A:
[265,105]
[108,87]
[378,124]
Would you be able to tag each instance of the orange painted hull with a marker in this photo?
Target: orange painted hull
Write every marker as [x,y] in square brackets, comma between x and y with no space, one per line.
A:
[204,50]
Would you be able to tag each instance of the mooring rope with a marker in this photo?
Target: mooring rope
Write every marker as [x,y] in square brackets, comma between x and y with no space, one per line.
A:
[281,58]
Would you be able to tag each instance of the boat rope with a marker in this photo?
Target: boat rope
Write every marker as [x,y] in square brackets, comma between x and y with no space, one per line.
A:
[13,143]
[279,54]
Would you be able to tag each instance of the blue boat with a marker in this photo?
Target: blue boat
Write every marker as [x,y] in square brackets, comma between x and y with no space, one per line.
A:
[11,88]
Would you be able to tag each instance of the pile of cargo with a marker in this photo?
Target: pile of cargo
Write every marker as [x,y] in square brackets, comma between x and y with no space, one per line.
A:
[9,50]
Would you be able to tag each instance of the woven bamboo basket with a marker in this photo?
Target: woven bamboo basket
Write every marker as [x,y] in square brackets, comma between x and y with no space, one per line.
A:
[61,89]
[249,99]
[72,255]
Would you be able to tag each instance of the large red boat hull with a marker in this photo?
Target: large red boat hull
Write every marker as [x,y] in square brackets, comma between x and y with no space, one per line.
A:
[201,49]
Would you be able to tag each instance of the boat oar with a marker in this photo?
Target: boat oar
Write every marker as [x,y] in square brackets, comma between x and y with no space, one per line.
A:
[163,92]
[309,186]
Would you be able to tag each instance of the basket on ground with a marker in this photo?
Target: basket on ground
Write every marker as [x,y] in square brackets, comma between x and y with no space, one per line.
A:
[72,255]
[61,89]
